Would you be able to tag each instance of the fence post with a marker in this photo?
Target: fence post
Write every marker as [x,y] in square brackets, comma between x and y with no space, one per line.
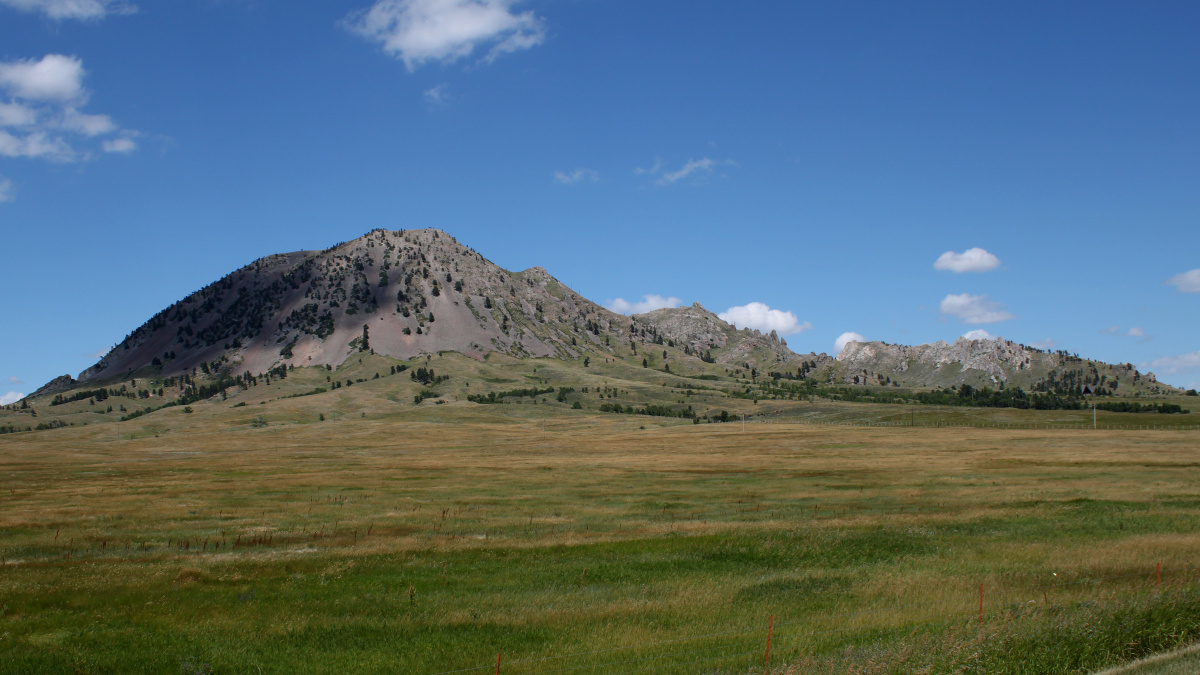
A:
[770,624]
[497,664]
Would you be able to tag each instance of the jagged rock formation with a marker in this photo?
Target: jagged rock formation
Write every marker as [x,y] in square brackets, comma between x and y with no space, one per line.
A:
[397,293]
[992,361]
[704,333]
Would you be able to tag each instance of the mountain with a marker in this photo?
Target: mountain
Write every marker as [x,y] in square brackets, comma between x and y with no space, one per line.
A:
[399,294]
[403,294]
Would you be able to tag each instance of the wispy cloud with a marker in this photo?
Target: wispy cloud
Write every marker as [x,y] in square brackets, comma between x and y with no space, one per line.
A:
[704,165]
[846,338]
[13,379]
[576,176]
[759,316]
[1188,282]
[974,309]
[1174,365]
[99,353]
[42,118]
[654,168]
[7,193]
[436,95]
[423,31]
[71,9]
[649,303]
[970,260]
[1047,344]
[1134,331]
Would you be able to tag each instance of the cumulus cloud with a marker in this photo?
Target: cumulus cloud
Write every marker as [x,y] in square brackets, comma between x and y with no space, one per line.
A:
[704,165]
[1174,365]
[11,397]
[576,176]
[42,118]
[420,31]
[846,338]
[978,334]
[52,78]
[974,309]
[649,303]
[1188,282]
[970,260]
[121,145]
[71,9]
[759,316]
[7,193]
[16,115]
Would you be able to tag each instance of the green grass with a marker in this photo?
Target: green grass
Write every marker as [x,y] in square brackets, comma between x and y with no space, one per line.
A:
[402,538]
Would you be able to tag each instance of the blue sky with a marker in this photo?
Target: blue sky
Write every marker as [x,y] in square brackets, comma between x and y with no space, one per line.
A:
[803,166]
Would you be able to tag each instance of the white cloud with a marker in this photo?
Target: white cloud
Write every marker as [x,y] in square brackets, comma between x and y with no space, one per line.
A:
[419,31]
[1188,282]
[1136,332]
[7,193]
[974,309]
[100,353]
[704,165]
[846,338]
[43,111]
[13,379]
[576,176]
[1111,330]
[71,9]
[121,145]
[978,334]
[761,317]
[11,397]
[88,125]
[38,144]
[436,95]
[1046,345]
[1174,365]
[970,260]
[53,78]
[16,115]
[649,303]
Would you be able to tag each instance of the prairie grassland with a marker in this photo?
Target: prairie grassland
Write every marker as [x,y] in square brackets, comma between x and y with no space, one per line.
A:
[432,539]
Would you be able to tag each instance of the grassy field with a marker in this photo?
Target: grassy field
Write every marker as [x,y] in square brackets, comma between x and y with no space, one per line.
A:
[420,539]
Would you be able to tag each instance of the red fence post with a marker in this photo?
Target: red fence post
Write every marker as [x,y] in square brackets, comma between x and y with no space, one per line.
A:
[497,664]
[770,624]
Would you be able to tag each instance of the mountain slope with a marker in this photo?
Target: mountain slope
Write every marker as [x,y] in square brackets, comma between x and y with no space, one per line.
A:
[407,293]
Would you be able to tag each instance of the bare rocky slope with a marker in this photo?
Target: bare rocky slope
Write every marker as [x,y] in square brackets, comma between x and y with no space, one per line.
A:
[406,293]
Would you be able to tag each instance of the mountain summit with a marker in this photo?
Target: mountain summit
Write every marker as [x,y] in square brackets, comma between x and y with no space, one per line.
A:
[400,294]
